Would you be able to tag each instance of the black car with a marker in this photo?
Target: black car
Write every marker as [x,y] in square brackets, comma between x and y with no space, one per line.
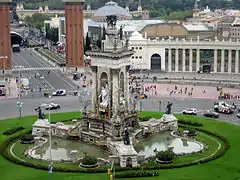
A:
[211,114]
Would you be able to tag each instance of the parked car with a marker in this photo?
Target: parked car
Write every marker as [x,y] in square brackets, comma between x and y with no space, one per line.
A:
[59,92]
[211,114]
[238,115]
[190,111]
[51,106]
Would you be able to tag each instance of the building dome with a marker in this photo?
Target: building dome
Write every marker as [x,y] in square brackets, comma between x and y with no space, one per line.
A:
[111,8]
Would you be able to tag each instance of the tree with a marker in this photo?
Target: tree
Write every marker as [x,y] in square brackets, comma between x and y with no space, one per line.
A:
[36,20]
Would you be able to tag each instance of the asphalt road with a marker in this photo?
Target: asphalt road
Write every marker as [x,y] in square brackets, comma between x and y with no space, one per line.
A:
[72,103]
[55,80]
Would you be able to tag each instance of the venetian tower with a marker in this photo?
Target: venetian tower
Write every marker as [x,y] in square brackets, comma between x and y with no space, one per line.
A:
[5,40]
[74,34]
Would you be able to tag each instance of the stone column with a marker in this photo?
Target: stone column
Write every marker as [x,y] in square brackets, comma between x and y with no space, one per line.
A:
[237,61]
[190,59]
[222,60]
[215,64]
[94,89]
[126,86]
[184,60]
[115,89]
[176,60]
[169,60]
[230,61]
[198,59]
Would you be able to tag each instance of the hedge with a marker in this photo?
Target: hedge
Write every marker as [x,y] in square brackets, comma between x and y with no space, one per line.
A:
[9,157]
[13,130]
[182,121]
[140,173]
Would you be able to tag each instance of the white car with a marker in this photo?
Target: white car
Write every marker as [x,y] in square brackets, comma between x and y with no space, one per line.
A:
[190,111]
[51,106]
[59,92]
[238,115]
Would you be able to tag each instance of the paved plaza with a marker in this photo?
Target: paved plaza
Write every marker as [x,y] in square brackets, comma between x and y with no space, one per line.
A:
[201,92]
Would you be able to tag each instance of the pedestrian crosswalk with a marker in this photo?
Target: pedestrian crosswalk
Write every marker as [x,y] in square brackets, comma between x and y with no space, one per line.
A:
[34,69]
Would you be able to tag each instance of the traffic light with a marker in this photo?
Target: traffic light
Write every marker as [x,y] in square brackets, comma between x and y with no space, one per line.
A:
[109,171]
[111,177]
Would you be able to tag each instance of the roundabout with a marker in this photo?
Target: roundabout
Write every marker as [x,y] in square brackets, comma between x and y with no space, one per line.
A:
[215,146]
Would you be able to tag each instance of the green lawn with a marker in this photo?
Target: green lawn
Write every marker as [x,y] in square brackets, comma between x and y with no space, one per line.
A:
[224,168]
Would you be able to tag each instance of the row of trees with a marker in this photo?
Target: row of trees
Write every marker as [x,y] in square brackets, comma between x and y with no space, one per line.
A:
[157,8]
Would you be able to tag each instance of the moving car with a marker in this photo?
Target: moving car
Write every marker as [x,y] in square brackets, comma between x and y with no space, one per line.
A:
[223,107]
[59,92]
[190,111]
[141,96]
[16,48]
[51,106]
[211,114]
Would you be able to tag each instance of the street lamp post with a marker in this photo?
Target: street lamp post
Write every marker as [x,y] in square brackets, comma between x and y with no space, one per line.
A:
[19,74]
[4,69]
[19,106]
[50,140]
[160,106]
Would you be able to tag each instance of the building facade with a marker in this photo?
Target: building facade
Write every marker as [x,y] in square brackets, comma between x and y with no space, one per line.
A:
[180,55]
[74,33]
[5,40]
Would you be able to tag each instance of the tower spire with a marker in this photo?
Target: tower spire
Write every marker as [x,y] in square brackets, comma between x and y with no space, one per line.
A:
[139,9]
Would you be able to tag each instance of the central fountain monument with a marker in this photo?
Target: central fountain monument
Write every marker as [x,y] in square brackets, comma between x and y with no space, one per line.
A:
[112,123]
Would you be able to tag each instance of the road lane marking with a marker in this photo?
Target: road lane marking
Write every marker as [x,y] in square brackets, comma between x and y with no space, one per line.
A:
[43,62]
[32,66]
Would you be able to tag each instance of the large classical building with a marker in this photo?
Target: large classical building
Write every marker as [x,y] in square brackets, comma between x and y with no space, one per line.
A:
[88,13]
[181,55]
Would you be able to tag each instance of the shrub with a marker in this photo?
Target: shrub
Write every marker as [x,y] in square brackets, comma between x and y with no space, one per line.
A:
[89,160]
[13,130]
[145,118]
[27,138]
[182,121]
[140,173]
[165,155]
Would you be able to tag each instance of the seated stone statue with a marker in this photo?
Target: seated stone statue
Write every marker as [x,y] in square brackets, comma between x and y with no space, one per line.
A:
[104,98]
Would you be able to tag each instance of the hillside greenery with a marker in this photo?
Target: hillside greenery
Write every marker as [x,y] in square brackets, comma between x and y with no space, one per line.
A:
[157,8]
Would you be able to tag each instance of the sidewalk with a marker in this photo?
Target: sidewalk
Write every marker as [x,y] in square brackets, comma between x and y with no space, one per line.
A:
[12,90]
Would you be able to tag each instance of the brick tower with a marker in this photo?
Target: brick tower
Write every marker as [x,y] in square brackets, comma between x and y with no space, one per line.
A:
[5,40]
[74,33]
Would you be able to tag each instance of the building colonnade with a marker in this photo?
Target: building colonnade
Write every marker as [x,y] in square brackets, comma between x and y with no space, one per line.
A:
[188,60]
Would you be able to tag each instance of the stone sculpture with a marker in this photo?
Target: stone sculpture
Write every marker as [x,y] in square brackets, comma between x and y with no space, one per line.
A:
[169,108]
[40,114]
[126,139]
[104,97]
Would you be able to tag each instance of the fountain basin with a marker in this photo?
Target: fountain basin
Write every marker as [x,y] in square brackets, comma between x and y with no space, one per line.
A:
[164,141]
[62,148]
